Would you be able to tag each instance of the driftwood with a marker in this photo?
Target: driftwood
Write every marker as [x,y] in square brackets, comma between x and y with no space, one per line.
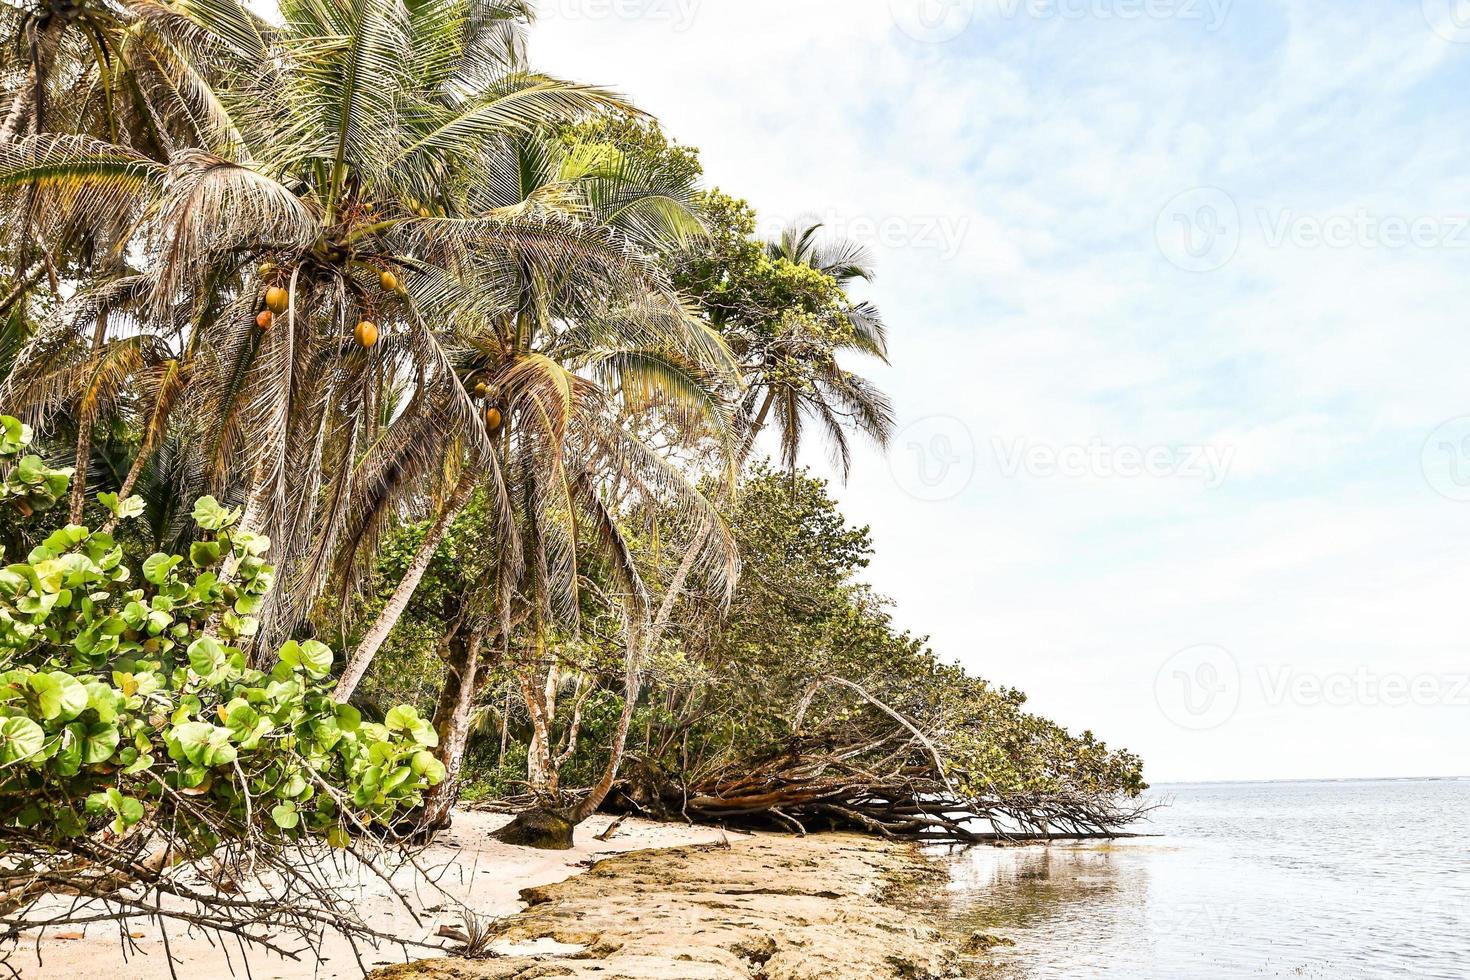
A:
[882,776]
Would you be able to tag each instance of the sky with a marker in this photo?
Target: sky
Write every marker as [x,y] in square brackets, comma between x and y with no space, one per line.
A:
[1177,294]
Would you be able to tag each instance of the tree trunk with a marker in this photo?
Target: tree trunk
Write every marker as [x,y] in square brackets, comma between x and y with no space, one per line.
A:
[373,640]
[541,774]
[19,109]
[595,799]
[452,719]
[84,427]
[23,282]
[756,425]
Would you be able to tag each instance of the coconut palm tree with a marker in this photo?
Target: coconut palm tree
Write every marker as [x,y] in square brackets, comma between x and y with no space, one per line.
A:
[128,71]
[354,220]
[133,72]
[793,375]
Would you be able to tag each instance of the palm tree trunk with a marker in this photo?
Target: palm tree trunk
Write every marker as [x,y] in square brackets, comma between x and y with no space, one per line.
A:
[643,635]
[541,772]
[756,426]
[373,639]
[452,719]
[19,107]
[84,429]
[152,435]
[23,283]
[632,687]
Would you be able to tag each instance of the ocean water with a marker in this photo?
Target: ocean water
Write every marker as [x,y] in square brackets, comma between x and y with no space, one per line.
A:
[1329,880]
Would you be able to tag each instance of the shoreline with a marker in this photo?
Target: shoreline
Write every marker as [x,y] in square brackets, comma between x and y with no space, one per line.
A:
[764,907]
[470,866]
[656,902]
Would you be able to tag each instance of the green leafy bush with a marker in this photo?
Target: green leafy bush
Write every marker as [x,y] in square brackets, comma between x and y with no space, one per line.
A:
[125,699]
[29,485]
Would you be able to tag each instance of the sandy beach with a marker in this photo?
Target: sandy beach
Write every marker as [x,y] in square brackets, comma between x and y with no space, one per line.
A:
[485,875]
[656,901]
[825,907]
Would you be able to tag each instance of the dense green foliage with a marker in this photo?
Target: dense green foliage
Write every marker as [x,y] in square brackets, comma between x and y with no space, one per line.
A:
[802,614]
[124,696]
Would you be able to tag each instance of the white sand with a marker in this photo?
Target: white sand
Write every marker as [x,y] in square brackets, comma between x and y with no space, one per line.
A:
[482,873]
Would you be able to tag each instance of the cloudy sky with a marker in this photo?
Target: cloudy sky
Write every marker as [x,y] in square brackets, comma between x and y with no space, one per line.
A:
[1178,292]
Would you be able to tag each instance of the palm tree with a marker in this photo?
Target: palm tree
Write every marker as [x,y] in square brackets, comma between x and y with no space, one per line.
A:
[128,71]
[560,374]
[133,72]
[356,169]
[791,355]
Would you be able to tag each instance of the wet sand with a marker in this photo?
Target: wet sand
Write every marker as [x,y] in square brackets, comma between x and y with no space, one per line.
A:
[760,908]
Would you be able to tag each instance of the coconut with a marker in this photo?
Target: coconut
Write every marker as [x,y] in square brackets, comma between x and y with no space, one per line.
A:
[277,299]
[265,319]
[389,281]
[493,419]
[366,333]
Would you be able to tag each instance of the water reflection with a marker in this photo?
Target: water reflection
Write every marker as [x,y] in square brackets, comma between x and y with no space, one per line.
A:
[1326,880]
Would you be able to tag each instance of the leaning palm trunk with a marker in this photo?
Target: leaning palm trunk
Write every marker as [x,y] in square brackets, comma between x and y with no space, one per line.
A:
[377,634]
[593,802]
[553,829]
[452,720]
[19,110]
[84,428]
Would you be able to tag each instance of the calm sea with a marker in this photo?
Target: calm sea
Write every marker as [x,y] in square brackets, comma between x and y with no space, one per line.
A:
[1333,880]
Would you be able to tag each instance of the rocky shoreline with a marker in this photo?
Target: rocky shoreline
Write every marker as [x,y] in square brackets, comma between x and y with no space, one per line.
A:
[755,908]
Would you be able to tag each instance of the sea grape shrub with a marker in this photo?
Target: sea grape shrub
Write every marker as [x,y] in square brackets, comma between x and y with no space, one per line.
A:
[124,700]
[28,484]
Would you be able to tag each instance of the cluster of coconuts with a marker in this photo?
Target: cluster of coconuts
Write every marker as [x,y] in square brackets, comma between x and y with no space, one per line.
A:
[494,419]
[367,331]
[278,301]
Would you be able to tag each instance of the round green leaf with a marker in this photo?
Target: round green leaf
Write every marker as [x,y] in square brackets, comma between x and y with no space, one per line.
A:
[20,738]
